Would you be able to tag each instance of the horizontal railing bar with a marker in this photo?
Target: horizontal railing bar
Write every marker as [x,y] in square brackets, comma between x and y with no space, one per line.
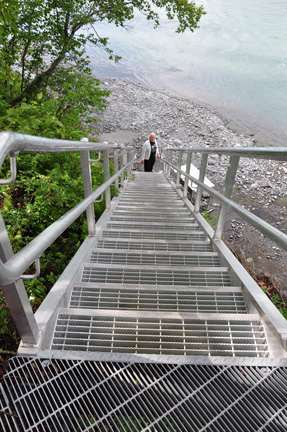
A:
[12,142]
[274,153]
[264,227]
[16,266]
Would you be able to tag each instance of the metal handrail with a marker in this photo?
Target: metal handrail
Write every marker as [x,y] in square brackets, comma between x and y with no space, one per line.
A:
[273,233]
[273,153]
[11,143]
[15,266]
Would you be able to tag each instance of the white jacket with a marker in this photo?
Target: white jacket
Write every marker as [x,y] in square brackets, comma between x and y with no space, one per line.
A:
[146,150]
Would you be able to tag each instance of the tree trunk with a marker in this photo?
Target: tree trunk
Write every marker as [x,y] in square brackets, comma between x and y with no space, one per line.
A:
[37,82]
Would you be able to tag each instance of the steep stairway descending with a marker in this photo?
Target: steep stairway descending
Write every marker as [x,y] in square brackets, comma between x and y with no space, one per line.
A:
[154,287]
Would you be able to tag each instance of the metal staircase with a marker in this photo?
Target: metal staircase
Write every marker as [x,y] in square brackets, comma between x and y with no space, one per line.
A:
[154,326]
[154,288]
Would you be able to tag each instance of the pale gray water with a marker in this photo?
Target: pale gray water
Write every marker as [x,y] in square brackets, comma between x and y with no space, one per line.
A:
[236,62]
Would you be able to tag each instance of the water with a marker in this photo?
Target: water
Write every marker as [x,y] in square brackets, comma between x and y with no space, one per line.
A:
[236,62]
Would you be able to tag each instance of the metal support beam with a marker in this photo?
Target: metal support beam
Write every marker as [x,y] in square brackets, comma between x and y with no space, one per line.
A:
[188,163]
[106,177]
[16,297]
[121,179]
[87,180]
[124,161]
[169,158]
[228,188]
[179,167]
[130,158]
[201,179]
[116,168]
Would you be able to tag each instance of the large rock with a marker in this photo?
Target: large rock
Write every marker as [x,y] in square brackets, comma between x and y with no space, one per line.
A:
[264,183]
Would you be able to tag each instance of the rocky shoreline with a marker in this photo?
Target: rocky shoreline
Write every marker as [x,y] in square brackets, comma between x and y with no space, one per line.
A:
[134,111]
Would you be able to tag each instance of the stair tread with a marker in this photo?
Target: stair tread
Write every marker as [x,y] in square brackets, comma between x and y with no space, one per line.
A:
[180,299]
[193,289]
[160,253]
[158,267]
[162,315]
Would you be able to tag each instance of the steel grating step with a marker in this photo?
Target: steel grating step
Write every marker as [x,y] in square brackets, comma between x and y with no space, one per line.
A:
[152,211]
[173,334]
[214,276]
[179,212]
[123,256]
[97,296]
[146,195]
[151,219]
[157,245]
[73,395]
[129,234]
[152,203]
[141,196]
[159,226]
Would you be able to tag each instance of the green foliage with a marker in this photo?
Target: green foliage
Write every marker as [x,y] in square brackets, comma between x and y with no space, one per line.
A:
[278,302]
[40,36]
[210,218]
[132,176]
[60,115]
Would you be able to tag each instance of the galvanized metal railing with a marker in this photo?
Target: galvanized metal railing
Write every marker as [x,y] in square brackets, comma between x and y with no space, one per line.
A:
[275,321]
[279,154]
[13,266]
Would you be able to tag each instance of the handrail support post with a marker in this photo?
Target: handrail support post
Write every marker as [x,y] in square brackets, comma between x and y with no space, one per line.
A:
[179,167]
[169,158]
[87,181]
[16,297]
[130,158]
[201,179]
[116,168]
[228,188]
[106,177]
[186,181]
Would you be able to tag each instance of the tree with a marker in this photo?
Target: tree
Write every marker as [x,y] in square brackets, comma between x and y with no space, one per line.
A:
[49,36]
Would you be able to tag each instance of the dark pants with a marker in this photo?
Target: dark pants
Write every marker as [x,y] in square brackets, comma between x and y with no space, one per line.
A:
[149,163]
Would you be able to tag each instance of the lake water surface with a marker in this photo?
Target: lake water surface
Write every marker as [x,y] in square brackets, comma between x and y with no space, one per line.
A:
[235,62]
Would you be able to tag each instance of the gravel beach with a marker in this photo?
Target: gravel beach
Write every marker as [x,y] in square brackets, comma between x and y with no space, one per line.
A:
[134,111]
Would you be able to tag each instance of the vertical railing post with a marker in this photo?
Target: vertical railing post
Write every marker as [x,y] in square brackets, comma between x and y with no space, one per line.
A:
[163,159]
[16,297]
[179,167]
[121,166]
[116,169]
[87,181]
[201,179]
[130,158]
[169,158]
[188,163]
[228,188]
[125,159]
[106,177]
